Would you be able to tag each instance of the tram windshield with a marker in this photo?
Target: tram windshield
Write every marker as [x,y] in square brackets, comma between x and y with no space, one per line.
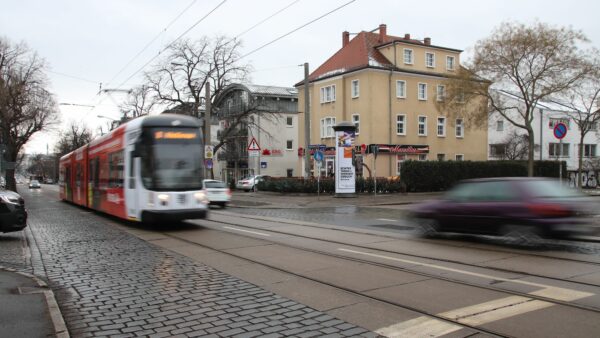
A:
[172,159]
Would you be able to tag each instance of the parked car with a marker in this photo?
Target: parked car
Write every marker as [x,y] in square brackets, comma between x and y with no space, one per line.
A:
[217,192]
[34,184]
[522,209]
[250,182]
[49,181]
[13,216]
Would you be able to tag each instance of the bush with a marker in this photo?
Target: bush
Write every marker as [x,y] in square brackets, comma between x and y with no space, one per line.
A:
[327,185]
[421,176]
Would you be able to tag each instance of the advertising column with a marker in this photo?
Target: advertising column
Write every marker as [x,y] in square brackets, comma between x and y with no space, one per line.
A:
[345,181]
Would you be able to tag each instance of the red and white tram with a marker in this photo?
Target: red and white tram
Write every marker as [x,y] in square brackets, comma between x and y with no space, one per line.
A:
[145,170]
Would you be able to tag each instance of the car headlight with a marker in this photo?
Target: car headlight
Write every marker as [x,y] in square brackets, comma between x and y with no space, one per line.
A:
[201,197]
[10,200]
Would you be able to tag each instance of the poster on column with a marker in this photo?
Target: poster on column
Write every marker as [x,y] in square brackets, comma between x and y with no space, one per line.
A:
[344,176]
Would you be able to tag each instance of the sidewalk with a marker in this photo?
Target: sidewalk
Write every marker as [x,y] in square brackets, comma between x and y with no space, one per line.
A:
[275,200]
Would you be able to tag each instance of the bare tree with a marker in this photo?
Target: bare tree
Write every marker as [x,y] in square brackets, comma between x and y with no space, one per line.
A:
[76,137]
[180,79]
[139,102]
[583,104]
[532,63]
[26,107]
[516,146]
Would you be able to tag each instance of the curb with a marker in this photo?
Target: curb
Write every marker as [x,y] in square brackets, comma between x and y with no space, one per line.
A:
[60,328]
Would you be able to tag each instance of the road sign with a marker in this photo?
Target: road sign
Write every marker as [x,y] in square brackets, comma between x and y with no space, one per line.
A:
[253,145]
[560,130]
[253,153]
[208,151]
[208,163]
[318,155]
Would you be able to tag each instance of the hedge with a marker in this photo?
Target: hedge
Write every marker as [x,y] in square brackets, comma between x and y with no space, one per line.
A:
[327,185]
[421,176]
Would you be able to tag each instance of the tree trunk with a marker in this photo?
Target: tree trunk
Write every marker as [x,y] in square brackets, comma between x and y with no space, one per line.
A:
[530,153]
[580,162]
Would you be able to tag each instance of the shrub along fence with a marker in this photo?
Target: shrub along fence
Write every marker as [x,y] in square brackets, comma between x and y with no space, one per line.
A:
[421,176]
[327,185]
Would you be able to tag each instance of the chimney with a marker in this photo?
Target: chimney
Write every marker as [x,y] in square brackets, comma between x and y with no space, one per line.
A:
[427,41]
[407,36]
[345,38]
[382,32]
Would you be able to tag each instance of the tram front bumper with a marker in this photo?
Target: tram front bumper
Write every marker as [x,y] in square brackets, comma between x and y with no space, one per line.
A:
[173,215]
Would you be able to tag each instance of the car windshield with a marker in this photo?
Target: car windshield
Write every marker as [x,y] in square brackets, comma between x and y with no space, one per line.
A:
[215,184]
[550,189]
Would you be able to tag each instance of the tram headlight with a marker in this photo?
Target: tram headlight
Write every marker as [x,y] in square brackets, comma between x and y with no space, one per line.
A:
[201,197]
[163,198]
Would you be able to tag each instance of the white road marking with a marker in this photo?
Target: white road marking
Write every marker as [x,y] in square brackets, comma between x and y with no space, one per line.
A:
[252,232]
[387,220]
[477,314]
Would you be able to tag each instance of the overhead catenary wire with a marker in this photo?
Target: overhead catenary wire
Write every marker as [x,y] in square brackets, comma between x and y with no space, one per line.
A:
[265,19]
[296,29]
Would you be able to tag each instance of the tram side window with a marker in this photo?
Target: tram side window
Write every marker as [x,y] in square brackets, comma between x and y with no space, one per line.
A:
[116,168]
[78,175]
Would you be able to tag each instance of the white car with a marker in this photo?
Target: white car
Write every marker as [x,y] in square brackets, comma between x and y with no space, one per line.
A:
[250,182]
[217,192]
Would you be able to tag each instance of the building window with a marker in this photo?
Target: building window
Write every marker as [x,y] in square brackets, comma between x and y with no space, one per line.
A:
[460,157]
[459,128]
[328,94]
[497,150]
[422,127]
[554,121]
[290,172]
[401,89]
[289,145]
[422,91]
[399,160]
[327,124]
[408,56]
[441,126]
[356,121]
[441,93]
[589,150]
[594,126]
[500,125]
[289,121]
[554,149]
[355,89]
[430,60]
[441,157]
[401,124]
[449,62]
[422,157]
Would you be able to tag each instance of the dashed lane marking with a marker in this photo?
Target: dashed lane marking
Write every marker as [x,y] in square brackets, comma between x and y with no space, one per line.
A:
[252,232]
[387,220]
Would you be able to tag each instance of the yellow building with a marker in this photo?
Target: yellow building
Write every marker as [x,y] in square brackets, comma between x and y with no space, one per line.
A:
[388,87]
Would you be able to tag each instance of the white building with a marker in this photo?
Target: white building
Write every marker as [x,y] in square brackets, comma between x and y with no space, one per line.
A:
[273,123]
[504,139]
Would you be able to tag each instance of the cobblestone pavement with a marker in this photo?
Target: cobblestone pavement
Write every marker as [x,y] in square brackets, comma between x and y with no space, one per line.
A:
[109,283]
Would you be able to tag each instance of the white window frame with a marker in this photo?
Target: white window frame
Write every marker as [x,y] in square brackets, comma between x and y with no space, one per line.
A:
[459,126]
[589,150]
[441,93]
[432,65]
[448,57]
[442,155]
[355,90]
[442,125]
[554,147]
[328,94]
[459,157]
[422,157]
[356,122]
[399,160]
[327,124]
[424,96]
[288,143]
[403,123]
[554,121]
[403,94]
[424,124]
[289,121]
[500,125]
[412,56]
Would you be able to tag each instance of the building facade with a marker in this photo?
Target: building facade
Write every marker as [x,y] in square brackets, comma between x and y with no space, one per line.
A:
[388,86]
[505,140]
[266,114]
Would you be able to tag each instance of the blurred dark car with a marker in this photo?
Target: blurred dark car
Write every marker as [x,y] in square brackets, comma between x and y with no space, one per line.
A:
[13,216]
[525,209]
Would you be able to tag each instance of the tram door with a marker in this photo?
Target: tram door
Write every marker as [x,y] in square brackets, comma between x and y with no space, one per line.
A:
[131,187]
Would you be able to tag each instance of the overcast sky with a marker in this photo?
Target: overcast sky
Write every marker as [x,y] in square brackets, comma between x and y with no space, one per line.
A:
[87,42]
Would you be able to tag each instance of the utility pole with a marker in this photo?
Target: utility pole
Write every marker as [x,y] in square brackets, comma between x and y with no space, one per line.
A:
[207,108]
[306,124]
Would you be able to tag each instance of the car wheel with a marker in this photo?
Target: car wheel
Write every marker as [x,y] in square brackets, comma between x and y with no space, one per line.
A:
[428,227]
[521,235]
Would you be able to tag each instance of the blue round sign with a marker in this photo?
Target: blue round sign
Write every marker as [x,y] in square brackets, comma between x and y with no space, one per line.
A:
[560,130]
[318,155]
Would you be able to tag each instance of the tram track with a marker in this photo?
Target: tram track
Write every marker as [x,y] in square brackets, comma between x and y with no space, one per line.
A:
[220,225]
